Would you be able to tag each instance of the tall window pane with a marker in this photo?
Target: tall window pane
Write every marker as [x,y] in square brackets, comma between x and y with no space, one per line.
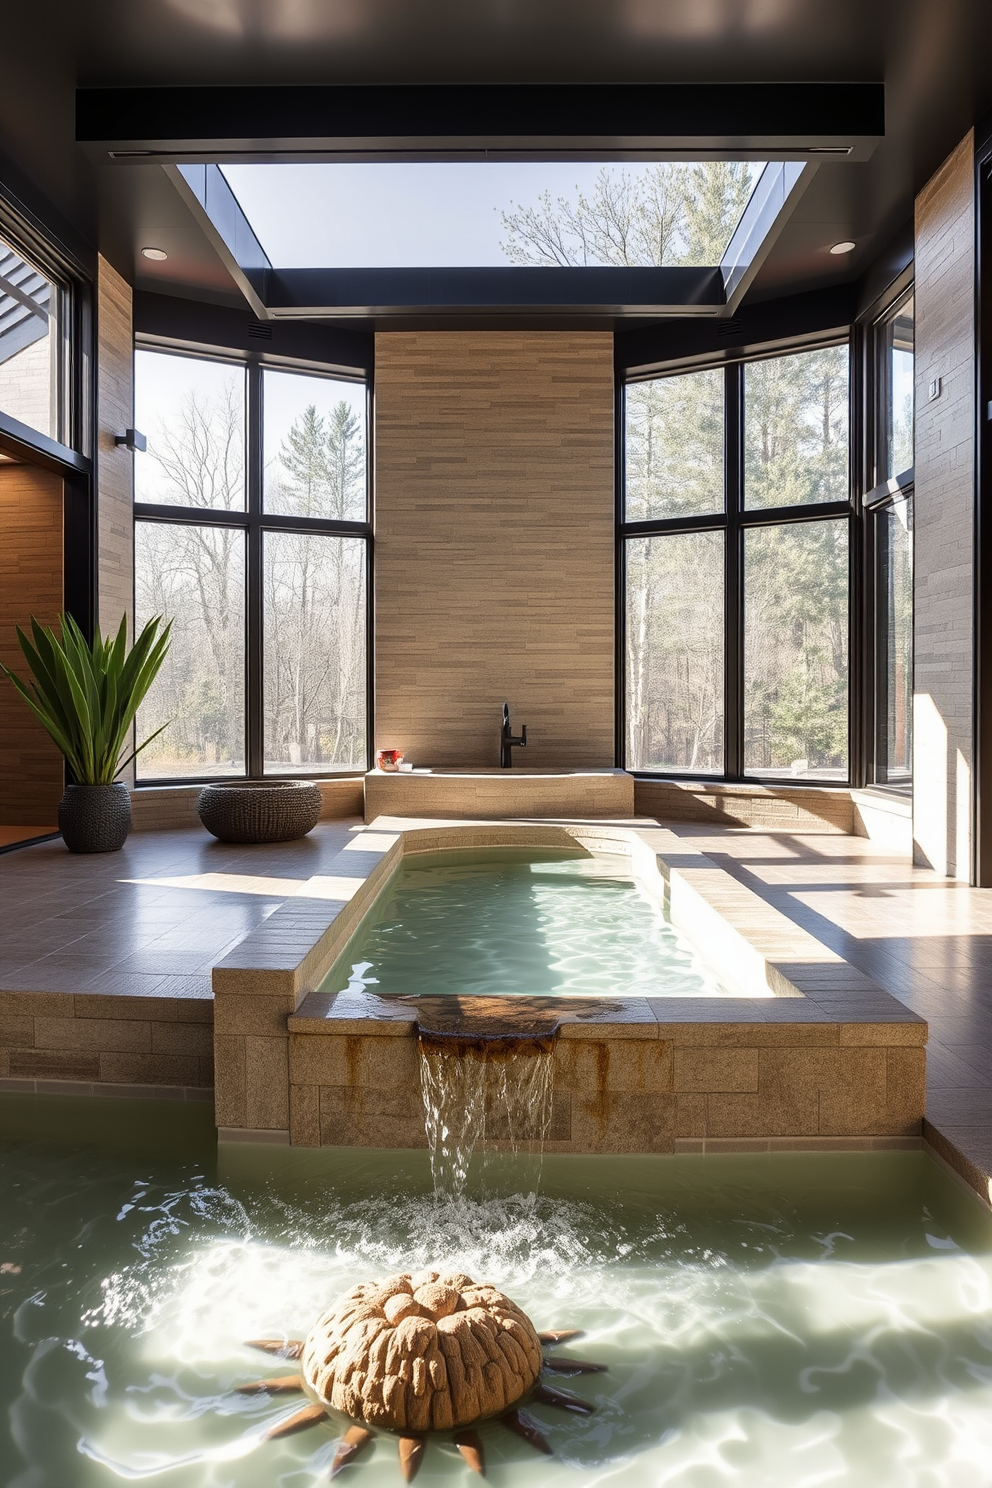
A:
[796,650]
[314,462]
[195,577]
[894,643]
[314,652]
[674,450]
[30,344]
[897,353]
[675,652]
[192,412]
[796,429]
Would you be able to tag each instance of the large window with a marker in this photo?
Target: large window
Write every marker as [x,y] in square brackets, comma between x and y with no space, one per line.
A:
[252,536]
[890,517]
[736,537]
[33,357]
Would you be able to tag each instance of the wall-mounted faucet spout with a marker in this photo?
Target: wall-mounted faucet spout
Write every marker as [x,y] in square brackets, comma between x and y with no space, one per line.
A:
[507,741]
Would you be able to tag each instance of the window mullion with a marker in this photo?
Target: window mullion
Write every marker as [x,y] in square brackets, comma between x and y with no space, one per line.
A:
[254,699]
[734,593]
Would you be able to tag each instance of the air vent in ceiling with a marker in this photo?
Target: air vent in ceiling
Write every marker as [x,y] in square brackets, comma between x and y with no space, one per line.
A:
[259,330]
[727,328]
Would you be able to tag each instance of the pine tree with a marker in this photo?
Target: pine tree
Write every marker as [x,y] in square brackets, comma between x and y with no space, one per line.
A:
[304,458]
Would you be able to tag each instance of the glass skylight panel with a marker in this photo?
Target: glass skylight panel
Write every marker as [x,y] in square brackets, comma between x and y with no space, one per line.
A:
[494,214]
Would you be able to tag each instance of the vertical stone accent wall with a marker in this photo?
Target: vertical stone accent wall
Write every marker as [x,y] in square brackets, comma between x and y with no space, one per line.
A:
[115,465]
[30,584]
[494,545]
[944,514]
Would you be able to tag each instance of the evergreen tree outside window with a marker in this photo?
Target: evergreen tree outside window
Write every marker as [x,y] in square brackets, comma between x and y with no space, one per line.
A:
[260,562]
[736,537]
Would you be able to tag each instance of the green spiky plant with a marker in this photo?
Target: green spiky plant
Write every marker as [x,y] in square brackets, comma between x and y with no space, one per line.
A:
[87,695]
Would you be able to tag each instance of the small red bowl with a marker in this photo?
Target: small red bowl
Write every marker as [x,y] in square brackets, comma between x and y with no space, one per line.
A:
[389,759]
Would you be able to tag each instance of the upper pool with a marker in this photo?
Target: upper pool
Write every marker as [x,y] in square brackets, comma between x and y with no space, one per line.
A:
[529,922]
[784,1321]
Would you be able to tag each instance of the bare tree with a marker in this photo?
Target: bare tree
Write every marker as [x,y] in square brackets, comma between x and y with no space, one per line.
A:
[670,214]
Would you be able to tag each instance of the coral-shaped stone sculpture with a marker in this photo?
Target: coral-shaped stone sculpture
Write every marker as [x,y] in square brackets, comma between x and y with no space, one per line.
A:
[423,1352]
[418,1353]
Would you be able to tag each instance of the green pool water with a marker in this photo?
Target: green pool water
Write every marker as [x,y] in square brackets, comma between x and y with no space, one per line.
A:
[781,1320]
[512,921]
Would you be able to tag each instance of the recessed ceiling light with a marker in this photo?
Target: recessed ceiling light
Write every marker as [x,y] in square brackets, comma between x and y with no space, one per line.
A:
[846,247]
[159,255]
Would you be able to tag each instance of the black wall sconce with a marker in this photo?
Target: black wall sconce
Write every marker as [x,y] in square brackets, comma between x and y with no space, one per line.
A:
[132,440]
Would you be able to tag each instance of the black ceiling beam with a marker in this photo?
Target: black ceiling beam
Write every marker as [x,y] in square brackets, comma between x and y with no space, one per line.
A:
[800,317]
[193,324]
[377,119]
[336,292]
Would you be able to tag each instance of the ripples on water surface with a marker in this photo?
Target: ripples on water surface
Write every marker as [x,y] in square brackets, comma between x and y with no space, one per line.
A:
[787,1321]
[521,921]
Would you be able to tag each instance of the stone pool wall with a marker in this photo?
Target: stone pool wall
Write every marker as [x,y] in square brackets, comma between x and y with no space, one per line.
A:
[657,1087]
[817,1055]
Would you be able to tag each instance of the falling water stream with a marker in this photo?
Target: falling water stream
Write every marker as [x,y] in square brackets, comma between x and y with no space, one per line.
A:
[491,1096]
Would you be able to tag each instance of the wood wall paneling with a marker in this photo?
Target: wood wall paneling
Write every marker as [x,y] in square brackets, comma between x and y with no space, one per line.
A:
[31,775]
[115,465]
[944,517]
[494,510]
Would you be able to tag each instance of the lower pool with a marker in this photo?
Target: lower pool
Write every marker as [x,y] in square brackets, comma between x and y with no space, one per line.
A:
[776,1320]
[521,921]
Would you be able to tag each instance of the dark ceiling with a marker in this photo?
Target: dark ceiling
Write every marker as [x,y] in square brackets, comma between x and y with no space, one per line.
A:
[931,54]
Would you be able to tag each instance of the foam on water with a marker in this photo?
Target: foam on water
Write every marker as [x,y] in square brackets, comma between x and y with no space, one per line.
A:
[774,1325]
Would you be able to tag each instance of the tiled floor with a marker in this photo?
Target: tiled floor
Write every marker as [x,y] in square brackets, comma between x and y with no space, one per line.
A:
[924,939]
[152,921]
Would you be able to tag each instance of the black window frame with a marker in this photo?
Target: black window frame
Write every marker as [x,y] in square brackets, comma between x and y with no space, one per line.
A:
[878,493]
[735,521]
[254,522]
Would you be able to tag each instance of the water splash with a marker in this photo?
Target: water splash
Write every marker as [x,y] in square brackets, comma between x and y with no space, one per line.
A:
[491,1095]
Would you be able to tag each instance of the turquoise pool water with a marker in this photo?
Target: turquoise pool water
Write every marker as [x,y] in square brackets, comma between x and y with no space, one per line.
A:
[520,922]
[773,1322]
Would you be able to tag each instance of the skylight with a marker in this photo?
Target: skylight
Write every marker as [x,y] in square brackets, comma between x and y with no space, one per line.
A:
[494,214]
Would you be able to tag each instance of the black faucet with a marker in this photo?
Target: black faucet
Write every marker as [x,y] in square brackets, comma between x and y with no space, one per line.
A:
[507,741]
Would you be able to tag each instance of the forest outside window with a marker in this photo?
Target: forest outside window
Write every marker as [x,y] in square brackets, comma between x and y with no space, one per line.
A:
[252,537]
[736,537]
[889,507]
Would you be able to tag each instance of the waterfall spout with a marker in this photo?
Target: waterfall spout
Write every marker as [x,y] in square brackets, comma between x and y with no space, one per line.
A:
[491,1094]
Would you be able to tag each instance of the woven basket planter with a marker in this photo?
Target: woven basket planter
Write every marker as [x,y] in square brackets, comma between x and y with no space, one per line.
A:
[95,818]
[260,810]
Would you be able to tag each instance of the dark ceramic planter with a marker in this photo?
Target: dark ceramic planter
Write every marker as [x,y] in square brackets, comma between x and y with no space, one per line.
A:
[95,818]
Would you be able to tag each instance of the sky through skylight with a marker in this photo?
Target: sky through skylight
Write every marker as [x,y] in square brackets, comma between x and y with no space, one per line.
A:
[492,213]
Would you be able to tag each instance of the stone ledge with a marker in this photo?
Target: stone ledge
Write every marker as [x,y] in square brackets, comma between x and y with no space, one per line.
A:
[805,808]
[165,807]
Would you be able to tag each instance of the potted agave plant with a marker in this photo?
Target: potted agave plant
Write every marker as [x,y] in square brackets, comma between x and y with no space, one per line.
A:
[87,696]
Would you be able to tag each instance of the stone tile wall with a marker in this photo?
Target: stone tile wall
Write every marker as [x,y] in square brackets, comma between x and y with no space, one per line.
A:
[777,808]
[687,1086]
[494,544]
[122,1045]
[499,794]
[161,808]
